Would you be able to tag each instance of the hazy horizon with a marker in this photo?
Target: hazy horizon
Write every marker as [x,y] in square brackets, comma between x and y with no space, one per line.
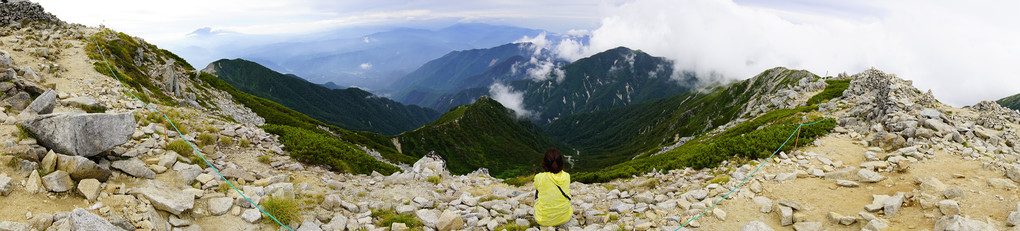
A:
[962,51]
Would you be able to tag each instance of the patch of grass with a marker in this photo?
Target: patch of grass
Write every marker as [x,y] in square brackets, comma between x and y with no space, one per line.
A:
[833,90]
[206,139]
[386,218]
[520,180]
[197,160]
[226,141]
[43,172]
[264,159]
[511,227]
[181,147]
[720,180]
[24,133]
[90,109]
[13,162]
[433,179]
[487,198]
[224,187]
[244,144]
[285,210]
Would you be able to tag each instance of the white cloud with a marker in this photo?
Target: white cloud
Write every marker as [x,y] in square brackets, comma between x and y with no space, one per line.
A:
[578,32]
[511,99]
[366,66]
[963,51]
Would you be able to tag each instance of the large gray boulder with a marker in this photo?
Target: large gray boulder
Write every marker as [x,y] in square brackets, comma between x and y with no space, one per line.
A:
[42,104]
[18,101]
[165,197]
[58,181]
[220,205]
[82,168]
[6,185]
[959,223]
[134,167]
[83,220]
[430,165]
[1013,172]
[450,220]
[5,59]
[14,226]
[81,134]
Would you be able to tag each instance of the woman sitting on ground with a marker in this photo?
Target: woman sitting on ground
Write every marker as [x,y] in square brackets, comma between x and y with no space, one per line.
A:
[552,203]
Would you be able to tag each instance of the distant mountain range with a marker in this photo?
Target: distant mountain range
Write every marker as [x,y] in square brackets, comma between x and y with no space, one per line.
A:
[373,61]
[460,70]
[1012,102]
[610,79]
[352,108]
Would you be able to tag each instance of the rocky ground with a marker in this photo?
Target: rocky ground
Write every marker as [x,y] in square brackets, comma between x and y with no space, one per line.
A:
[898,161]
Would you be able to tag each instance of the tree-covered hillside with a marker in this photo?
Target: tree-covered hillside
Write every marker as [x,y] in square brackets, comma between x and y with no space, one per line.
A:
[609,137]
[1012,102]
[481,135]
[351,108]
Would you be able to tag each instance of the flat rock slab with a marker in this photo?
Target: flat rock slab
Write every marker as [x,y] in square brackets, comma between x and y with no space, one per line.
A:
[81,134]
[83,220]
[165,197]
[220,205]
[134,167]
[58,181]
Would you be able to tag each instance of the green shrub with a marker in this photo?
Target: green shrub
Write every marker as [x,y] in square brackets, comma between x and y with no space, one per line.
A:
[181,147]
[753,139]
[323,148]
[206,139]
[720,180]
[13,162]
[24,133]
[197,160]
[833,90]
[511,227]
[226,141]
[520,180]
[433,179]
[90,109]
[386,218]
[285,210]
[244,144]
[264,159]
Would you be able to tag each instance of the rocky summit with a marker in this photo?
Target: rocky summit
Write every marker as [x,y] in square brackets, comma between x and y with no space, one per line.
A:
[81,154]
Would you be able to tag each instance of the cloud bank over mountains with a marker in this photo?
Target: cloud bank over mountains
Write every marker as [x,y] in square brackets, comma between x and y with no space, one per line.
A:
[963,51]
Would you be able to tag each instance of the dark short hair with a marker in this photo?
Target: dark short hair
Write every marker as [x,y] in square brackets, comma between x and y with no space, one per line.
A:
[553,161]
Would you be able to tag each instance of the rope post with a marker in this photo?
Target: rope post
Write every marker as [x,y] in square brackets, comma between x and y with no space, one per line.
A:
[796,141]
[166,142]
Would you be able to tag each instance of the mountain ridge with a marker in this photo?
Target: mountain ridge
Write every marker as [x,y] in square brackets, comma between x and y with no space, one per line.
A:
[1011,102]
[483,134]
[350,108]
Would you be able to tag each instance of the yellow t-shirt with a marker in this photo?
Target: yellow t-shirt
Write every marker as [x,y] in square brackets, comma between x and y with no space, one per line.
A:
[551,208]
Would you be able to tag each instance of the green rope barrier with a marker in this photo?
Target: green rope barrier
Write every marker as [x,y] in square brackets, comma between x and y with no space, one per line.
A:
[748,176]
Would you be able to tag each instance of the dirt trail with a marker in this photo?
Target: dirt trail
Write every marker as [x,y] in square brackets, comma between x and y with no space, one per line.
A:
[819,196]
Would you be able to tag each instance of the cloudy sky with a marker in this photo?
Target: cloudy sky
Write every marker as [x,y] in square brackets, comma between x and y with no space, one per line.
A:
[965,51]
